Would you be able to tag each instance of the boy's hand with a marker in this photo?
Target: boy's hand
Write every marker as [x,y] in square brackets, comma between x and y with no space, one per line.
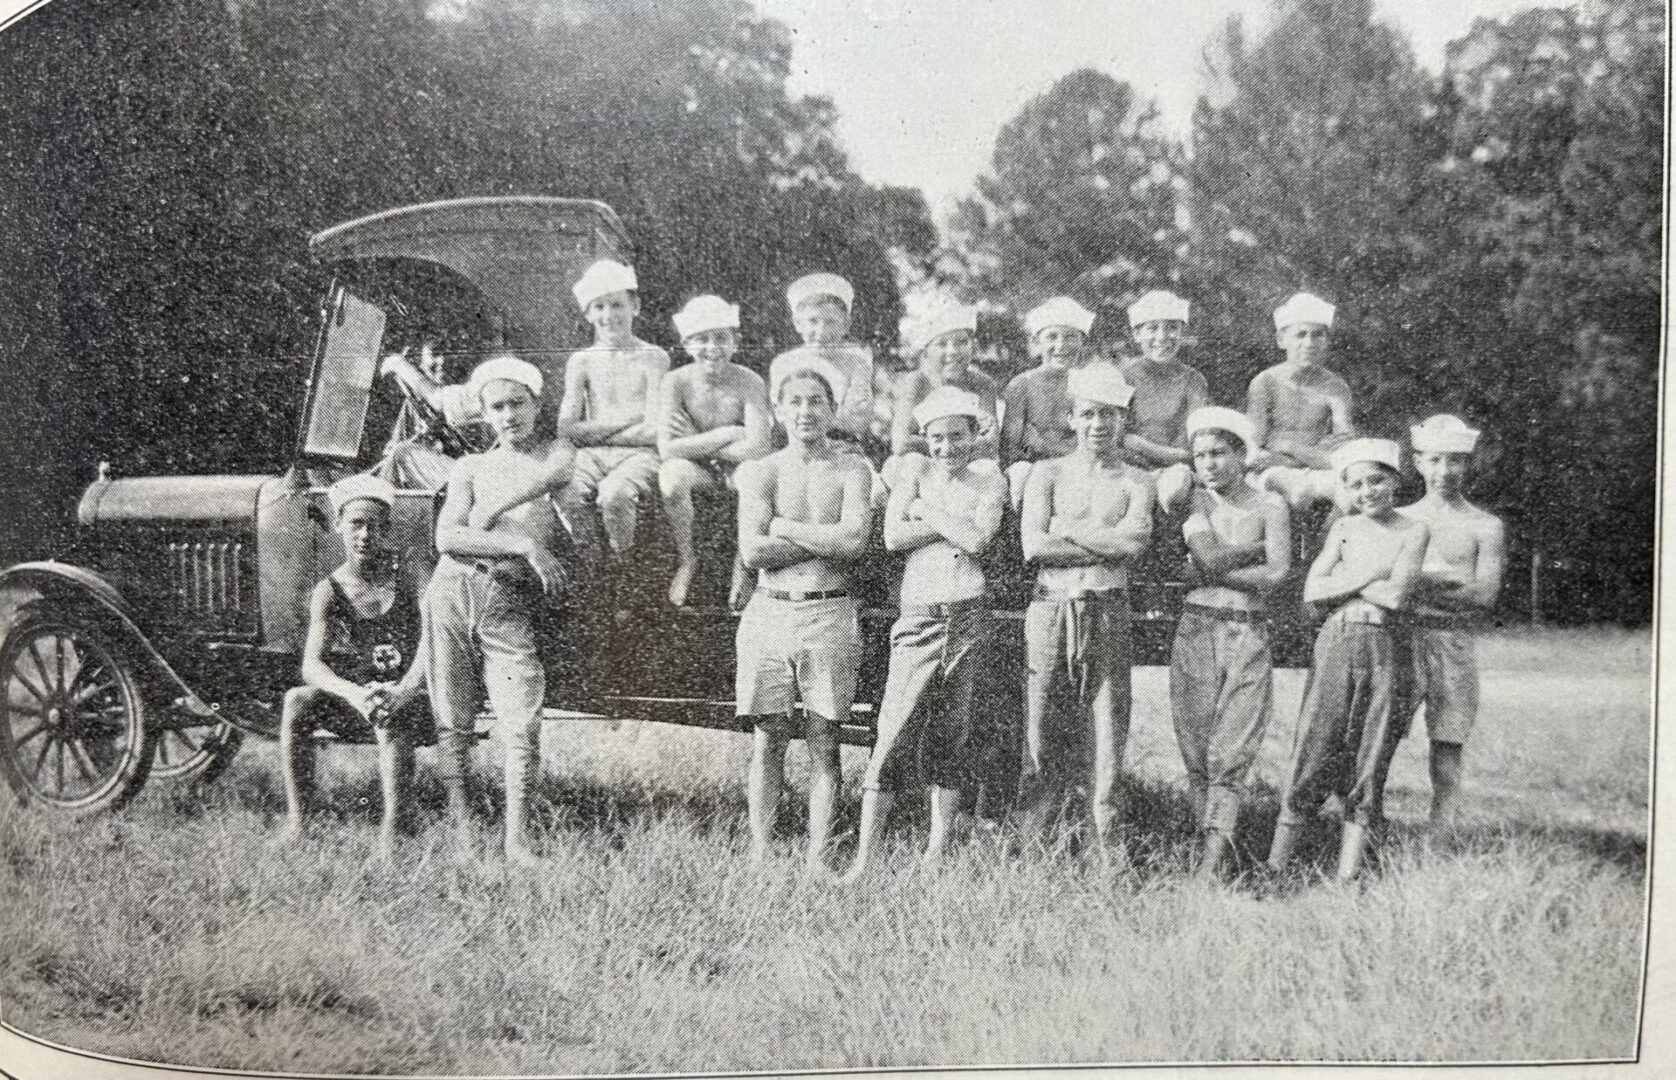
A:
[548,570]
[373,702]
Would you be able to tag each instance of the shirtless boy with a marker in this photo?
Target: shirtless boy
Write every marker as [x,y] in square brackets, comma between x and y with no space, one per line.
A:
[820,309]
[943,344]
[715,415]
[1035,404]
[1459,582]
[1356,703]
[804,512]
[1299,410]
[1087,516]
[610,410]
[943,516]
[497,534]
[1221,672]
[1166,391]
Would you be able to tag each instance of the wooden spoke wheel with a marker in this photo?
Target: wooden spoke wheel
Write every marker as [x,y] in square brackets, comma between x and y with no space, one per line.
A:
[195,753]
[72,716]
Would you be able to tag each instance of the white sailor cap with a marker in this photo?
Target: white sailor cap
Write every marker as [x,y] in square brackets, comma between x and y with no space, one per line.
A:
[1443,434]
[703,313]
[508,367]
[921,330]
[807,364]
[1225,420]
[949,401]
[1099,381]
[1059,311]
[1158,306]
[1379,451]
[360,486]
[1304,308]
[810,286]
[603,278]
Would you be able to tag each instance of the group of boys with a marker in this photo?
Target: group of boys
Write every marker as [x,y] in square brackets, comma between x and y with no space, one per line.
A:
[1088,453]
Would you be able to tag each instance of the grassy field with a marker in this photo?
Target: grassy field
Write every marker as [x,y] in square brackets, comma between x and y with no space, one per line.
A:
[172,933]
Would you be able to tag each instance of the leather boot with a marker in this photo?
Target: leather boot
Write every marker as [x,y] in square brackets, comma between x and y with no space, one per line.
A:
[1352,845]
[1286,839]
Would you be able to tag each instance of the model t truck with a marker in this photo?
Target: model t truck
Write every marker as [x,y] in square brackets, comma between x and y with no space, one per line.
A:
[178,623]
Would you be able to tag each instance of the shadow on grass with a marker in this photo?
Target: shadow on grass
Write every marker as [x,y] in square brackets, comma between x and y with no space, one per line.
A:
[1157,817]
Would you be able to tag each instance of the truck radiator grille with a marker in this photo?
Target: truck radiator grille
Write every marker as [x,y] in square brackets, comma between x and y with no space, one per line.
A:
[206,578]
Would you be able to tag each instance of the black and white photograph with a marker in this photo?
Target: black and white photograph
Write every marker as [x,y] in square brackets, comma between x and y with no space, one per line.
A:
[717,537]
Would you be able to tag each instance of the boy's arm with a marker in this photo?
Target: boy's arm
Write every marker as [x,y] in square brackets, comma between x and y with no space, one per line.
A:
[1489,567]
[570,423]
[1128,539]
[846,538]
[317,673]
[1277,550]
[555,473]
[1155,453]
[1394,589]
[1013,418]
[973,532]
[903,531]
[759,426]
[1339,404]
[758,550]
[1322,584]
[644,431]
[1039,545]
[909,393]
[1213,557]
[406,372]
[455,535]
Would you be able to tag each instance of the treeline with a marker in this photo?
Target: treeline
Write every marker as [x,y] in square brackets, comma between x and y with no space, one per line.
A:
[1492,236]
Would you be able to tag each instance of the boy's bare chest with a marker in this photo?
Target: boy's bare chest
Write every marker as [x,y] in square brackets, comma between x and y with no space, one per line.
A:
[1233,524]
[616,381]
[809,491]
[713,405]
[1451,543]
[1302,401]
[1102,496]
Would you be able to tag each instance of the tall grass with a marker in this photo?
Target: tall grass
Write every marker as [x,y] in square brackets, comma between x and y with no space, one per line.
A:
[173,932]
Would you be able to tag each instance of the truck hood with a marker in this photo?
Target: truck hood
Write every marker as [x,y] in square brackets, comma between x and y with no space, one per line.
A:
[172,499]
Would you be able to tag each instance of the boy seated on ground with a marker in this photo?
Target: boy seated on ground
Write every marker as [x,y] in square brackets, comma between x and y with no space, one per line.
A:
[1221,672]
[944,516]
[1357,702]
[714,415]
[820,309]
[805,514]
[360,678]
[942,344]
[1299,410]
[610,412]
[1459,583]
[1035,405]
[1166,393]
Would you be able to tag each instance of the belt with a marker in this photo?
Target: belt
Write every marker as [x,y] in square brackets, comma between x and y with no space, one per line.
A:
[1042,592]
[1227,614]
[948,610]
[1432,620]
[829,594]
[1365,613]
[514,571]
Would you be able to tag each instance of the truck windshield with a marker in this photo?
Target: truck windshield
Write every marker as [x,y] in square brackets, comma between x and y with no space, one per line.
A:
[337,401]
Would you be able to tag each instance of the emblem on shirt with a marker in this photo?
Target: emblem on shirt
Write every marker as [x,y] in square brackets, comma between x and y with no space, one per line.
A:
[386,659]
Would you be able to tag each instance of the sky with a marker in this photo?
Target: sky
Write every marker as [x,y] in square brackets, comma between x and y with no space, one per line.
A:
[923,86]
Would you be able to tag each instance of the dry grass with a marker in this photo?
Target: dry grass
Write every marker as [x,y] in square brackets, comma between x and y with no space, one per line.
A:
[173,933]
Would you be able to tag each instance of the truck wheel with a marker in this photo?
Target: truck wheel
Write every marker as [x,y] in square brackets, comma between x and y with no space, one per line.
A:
[72,716]
[197,754]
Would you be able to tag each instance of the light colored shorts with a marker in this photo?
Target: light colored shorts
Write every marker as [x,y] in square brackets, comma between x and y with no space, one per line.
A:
[797,650]
[1446,681]
[634,468]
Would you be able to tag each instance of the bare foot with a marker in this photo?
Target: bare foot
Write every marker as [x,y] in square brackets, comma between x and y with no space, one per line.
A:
[858,871]
[291,833]
[518,853]
[387,845]
[681,583]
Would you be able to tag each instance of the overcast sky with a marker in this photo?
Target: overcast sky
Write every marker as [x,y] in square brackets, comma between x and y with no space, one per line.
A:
[923,86]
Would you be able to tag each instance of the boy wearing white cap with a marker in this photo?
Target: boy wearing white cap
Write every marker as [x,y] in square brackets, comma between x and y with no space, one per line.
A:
[715,415]
[610,407]
[360,678]
[943,342]
[1221,673]
[1166,391]
[1357,701]
[1459,582]
[805,512]
[1087,516]
[1299,409]
[944,516]
[497,531]
[820,310]
[1035,404]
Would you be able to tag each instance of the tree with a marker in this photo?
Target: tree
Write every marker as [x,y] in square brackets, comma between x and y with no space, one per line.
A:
[1081,199]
